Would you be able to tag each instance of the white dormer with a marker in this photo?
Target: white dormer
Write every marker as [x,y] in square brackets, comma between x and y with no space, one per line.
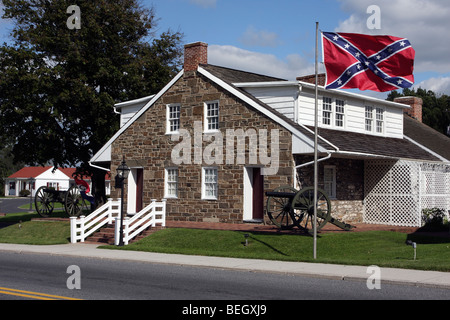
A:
[128,109]
[338,110]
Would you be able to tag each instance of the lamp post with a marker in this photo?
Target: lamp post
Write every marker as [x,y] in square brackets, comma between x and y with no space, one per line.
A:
[31,180]
[122,173]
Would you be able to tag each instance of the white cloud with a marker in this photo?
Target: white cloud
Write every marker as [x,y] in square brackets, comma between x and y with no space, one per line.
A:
[204,3]
[259,38]
[424,23]
[439,85]
[292,66]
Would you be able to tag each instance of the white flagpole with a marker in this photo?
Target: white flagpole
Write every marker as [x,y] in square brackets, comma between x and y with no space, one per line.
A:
[316,120]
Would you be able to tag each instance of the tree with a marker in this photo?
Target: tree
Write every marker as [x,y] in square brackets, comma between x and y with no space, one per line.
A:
[58,84]
[435,110]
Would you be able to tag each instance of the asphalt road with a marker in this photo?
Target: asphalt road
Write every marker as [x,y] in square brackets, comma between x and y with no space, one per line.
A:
[125,280]
[11,205]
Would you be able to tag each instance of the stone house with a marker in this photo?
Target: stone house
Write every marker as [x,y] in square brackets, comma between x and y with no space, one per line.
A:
[215,139]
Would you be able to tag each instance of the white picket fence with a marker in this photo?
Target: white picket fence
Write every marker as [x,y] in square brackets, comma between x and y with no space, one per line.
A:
[83,227]
[154,213]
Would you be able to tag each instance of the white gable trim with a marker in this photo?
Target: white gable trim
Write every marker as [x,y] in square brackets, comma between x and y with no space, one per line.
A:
[102,154]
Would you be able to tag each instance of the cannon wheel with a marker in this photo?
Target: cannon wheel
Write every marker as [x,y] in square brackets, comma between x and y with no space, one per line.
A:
[74,204]
[303,212]
[43,202]
[279,209]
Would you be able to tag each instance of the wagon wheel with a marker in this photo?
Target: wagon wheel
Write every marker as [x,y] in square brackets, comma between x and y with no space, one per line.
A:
[43,202]
[74,204]
[303,212]
[278,208]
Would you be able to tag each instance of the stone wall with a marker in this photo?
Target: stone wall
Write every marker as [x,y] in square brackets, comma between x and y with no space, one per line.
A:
[146,144]
[348,205]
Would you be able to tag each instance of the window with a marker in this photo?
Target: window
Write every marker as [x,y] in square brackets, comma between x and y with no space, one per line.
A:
[53,185]
[212,116]
[380,120]
[209,183]
[333,112]
[171,185]
[340,108]
[329,181]
[374,118]
[173,118]
[369,118]
[326,111]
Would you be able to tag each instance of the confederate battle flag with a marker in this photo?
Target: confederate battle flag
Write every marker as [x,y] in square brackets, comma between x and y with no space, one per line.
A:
[378,63]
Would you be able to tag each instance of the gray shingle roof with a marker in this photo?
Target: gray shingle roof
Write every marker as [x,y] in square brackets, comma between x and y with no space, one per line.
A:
[381,146]
[427,136]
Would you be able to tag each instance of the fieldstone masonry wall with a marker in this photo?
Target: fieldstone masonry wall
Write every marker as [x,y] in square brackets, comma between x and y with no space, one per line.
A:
[146,143]
[348,205]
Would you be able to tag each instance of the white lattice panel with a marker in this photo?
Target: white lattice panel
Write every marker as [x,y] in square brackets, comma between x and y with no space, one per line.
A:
[397,191]
[435,186]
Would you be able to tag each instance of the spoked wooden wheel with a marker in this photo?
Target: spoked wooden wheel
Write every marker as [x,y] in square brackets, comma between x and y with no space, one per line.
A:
[74,204]
[303,209]
[43,202]
[279,209]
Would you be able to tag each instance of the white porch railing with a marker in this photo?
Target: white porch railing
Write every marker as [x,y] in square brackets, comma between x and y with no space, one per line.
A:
[149,216]
[82,227]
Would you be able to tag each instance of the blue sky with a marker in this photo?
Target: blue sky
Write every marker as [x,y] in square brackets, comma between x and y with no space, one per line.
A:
[278,37]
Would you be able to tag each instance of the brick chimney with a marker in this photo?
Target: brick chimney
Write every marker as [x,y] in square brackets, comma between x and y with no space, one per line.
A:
[312,79]
[416,106]
[195,54]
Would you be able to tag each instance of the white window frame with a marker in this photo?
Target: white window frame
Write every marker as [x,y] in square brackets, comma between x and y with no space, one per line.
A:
[368,118]
[208,117]
[170,119]
[169,181]
[339,113]
[327,111]
[374,120]
[333,112]
[379,120]
[206,185]
[329,185]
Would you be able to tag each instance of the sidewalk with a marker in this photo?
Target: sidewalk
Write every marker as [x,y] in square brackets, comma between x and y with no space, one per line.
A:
[330,271]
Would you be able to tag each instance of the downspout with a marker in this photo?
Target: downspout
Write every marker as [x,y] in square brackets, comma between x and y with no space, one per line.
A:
[311,162]
[95,166]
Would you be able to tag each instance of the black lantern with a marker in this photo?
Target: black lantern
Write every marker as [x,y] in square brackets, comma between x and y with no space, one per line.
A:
[123,170]
[122,173]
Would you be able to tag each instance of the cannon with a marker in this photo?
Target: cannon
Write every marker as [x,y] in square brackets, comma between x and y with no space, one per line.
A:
[288,207]
[75,200]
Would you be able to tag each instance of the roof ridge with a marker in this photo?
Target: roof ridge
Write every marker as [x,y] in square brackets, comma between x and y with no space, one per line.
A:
[272,78]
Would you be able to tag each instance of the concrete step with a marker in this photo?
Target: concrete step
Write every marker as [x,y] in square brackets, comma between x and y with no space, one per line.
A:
[106,234]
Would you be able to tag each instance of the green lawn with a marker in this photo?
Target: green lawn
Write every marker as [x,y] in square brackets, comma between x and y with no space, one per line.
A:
[36,233]
[382,248]
[24,231]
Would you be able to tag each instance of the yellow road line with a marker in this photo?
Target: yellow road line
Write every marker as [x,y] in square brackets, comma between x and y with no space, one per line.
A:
[34,295]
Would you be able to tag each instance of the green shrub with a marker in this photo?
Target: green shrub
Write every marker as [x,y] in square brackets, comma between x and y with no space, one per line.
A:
[24,193]
[434,219]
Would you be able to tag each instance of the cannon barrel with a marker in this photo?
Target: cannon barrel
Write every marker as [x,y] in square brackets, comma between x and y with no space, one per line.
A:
[275,194]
